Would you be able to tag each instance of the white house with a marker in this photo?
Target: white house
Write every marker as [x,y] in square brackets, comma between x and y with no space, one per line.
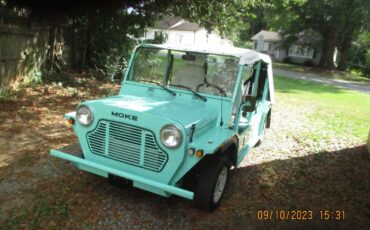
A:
[182,32]
[269,42]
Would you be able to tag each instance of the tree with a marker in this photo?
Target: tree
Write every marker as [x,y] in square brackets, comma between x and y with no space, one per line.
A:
[359,53]
[99,32]
[354,19]
[227,17]
[335,20]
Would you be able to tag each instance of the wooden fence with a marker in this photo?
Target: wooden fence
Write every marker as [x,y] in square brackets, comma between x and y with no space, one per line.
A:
[22,50]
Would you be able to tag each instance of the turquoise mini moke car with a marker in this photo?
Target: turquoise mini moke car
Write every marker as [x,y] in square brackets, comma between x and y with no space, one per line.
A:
[183,117]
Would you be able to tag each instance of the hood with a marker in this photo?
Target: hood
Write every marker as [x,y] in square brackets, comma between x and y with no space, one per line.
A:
[184,113]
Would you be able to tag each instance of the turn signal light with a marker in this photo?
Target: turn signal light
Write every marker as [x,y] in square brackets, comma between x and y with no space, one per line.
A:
[199,153]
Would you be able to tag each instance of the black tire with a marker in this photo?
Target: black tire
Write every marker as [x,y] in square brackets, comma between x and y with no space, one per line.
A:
[204,195]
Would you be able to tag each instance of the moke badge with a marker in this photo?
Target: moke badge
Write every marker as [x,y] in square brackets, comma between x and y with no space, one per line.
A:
[124,115]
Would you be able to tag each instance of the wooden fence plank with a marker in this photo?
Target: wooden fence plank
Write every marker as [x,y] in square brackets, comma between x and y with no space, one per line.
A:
[21,50]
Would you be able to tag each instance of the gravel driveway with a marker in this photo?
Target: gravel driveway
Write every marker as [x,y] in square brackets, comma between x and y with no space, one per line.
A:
[362,87]
[285,173]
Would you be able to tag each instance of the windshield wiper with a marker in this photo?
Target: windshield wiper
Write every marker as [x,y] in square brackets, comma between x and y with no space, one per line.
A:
[188,88]
[163,87]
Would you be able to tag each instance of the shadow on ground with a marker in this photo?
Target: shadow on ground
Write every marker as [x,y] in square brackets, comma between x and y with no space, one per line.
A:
[323,181]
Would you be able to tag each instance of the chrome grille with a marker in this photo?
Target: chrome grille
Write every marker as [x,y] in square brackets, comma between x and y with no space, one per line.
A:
[128,144]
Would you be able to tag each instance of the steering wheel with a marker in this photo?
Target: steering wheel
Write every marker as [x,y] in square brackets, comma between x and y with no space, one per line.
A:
[214,86]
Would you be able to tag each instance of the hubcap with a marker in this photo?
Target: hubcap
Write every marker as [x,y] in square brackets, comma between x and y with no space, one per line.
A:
[220,185]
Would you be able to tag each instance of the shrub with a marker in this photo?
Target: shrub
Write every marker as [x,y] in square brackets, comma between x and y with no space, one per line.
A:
[109,92]
[63,79]
[71,92]
[109,66]
[34,77]
[6,92]
[287,60]
[308,63]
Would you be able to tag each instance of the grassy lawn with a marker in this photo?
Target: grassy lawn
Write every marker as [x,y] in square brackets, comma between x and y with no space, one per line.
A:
[331,111]
[334,74]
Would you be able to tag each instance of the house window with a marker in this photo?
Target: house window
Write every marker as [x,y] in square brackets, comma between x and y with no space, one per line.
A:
[255,43]
[270,46]
[300,51]
[178,38]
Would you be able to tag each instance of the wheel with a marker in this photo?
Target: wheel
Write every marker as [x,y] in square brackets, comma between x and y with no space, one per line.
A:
[263,134]
[211,184]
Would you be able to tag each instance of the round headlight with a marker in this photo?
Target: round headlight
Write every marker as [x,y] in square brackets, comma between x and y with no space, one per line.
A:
[171,136]
[84,115]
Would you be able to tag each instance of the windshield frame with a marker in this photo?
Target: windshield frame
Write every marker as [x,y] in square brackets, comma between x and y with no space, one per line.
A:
[167,77]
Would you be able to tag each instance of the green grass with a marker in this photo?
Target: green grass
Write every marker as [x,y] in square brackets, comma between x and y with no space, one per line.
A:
[288,66]
[332,111]
[333,74]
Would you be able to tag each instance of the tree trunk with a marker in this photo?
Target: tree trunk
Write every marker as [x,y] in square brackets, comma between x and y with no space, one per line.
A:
[74,46]
[84,48]
[52,42]
[343,51]
[329,42]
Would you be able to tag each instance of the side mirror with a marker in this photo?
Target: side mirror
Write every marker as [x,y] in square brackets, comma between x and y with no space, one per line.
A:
[249,104]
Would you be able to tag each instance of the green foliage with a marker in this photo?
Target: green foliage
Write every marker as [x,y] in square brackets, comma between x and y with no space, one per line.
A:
[108,66]
[337,21]
[249,25]
[227,17]
[33,78]
[71,92]
[110,42]
[287,60]
[107,92]
[99,34]
[308,63]
[159,38]
[359,57]
[63,79]
[6,92]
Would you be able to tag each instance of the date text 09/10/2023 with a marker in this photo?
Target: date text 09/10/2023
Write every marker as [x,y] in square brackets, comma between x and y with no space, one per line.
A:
[300,215]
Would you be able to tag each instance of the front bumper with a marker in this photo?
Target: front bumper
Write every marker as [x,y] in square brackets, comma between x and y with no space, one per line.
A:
[74,154]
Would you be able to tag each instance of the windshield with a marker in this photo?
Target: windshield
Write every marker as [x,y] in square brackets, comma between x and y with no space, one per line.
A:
[203,73]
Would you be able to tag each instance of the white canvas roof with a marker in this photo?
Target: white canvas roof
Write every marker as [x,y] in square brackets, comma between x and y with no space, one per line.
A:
[246,56]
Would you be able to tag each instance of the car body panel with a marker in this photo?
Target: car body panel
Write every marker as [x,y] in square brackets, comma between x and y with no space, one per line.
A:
[142,110]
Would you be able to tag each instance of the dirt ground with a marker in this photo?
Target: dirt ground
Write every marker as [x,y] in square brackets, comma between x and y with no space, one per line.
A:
[285,173]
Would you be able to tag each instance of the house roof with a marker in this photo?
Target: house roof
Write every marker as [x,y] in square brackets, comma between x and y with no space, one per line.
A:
[186,26]
[176,23]
[304,37]
[267,35]
[167,22]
